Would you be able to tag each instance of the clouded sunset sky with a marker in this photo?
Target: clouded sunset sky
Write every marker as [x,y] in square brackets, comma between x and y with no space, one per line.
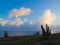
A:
[28,14]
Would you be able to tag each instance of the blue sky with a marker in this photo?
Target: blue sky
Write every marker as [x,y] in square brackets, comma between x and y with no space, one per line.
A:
[36,11]
[38,6]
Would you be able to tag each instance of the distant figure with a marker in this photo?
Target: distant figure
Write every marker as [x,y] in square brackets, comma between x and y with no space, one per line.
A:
[5,34]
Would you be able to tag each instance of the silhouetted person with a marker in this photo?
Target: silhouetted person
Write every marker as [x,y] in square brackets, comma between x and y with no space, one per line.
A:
[5,34]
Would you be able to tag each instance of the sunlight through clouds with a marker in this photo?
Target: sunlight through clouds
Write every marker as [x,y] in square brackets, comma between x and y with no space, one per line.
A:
[48,17]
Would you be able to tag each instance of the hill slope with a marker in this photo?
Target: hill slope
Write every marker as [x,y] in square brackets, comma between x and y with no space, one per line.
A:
[31,40]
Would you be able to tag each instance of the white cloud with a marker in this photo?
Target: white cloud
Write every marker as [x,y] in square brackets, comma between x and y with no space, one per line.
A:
[12,12]
[12,23]
[3,22]
[48,17]
[30,22]
[18,13]
[21,12]
[17,22]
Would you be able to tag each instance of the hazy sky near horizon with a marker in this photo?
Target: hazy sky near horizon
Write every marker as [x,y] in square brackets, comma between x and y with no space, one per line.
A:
[29,12]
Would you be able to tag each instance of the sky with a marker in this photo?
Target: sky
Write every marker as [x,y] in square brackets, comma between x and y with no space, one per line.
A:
[28,15]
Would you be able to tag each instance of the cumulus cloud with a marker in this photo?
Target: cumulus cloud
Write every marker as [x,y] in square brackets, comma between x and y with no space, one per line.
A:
[48,17]
[20,12]
[30,22]
[12,12]
[16,22]
[3,22]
